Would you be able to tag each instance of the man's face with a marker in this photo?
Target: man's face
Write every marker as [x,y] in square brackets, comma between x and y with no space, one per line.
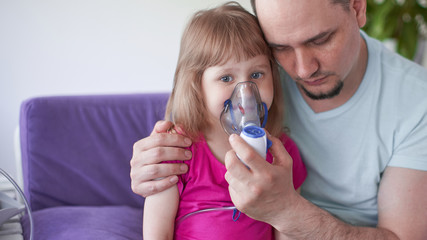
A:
[316,42]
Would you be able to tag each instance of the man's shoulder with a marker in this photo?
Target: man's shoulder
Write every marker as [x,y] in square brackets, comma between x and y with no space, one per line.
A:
[392,64]
[398,66]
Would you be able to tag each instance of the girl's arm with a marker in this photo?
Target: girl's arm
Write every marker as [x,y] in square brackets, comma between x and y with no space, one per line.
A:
[159,215]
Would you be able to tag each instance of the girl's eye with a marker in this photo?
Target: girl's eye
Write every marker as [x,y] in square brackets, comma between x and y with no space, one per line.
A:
[226,79]
[256,75]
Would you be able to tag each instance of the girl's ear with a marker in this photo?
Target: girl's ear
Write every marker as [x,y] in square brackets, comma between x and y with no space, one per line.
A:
[358,7]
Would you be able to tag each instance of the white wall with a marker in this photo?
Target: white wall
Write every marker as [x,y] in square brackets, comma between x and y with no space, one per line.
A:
[51,47]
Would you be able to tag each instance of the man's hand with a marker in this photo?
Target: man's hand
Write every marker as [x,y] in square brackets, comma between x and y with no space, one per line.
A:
[147,174]
[264,191]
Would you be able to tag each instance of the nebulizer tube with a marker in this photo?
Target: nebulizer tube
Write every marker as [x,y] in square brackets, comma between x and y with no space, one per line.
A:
[241,115]
[230,208]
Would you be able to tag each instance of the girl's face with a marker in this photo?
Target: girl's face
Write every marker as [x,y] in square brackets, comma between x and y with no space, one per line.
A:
[218,83]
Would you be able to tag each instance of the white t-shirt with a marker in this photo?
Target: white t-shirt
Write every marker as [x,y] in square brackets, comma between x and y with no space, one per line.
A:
[347,149]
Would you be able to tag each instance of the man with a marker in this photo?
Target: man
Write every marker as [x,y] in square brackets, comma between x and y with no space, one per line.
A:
[357,112]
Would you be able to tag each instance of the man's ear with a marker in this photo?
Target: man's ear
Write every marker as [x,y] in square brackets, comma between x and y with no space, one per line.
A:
[358,7]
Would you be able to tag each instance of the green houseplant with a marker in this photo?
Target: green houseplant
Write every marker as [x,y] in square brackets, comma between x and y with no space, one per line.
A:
[403,21]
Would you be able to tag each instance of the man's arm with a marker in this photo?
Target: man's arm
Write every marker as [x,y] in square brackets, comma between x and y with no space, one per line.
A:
[265,192]
[402,202]
[149,152]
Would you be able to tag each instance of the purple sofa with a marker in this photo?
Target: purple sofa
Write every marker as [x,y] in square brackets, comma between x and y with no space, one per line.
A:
[75,157]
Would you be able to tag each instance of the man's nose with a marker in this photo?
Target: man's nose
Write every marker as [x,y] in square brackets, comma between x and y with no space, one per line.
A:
[306,63]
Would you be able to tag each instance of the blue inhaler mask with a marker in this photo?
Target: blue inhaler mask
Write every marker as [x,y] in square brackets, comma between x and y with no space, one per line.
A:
[242,115]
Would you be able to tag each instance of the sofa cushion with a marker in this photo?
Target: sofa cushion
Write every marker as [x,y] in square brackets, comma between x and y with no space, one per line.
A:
[85,223]
[76,149]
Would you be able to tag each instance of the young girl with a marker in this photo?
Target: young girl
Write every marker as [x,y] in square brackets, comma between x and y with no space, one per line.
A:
[220,48]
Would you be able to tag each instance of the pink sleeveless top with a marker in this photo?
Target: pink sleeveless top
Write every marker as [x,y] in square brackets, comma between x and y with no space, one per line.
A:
[204,187]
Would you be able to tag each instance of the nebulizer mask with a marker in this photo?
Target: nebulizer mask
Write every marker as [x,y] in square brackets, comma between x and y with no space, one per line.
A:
[242,115]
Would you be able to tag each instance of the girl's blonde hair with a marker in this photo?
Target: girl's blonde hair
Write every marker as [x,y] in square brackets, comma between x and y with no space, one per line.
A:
[211,38]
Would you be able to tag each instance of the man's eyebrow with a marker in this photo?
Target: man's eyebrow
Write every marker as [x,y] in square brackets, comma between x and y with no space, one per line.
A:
[312,39]
[318,36]
[275,45]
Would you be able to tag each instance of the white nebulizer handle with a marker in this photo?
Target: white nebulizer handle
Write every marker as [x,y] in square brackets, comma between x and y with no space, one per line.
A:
[256,138]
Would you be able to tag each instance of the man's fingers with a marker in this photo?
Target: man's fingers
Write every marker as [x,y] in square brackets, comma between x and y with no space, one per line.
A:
[235,176]
[149,188]
[147,175]
[161,140]
[156,171]
[246,153]
[237,172]
[162,127]
[278,151]
[150,179]
[160,154]
[234,165]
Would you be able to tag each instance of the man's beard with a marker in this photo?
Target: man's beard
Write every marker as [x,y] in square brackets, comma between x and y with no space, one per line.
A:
[320,96]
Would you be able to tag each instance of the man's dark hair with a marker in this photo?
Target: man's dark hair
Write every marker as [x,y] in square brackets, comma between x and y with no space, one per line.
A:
[344,3]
